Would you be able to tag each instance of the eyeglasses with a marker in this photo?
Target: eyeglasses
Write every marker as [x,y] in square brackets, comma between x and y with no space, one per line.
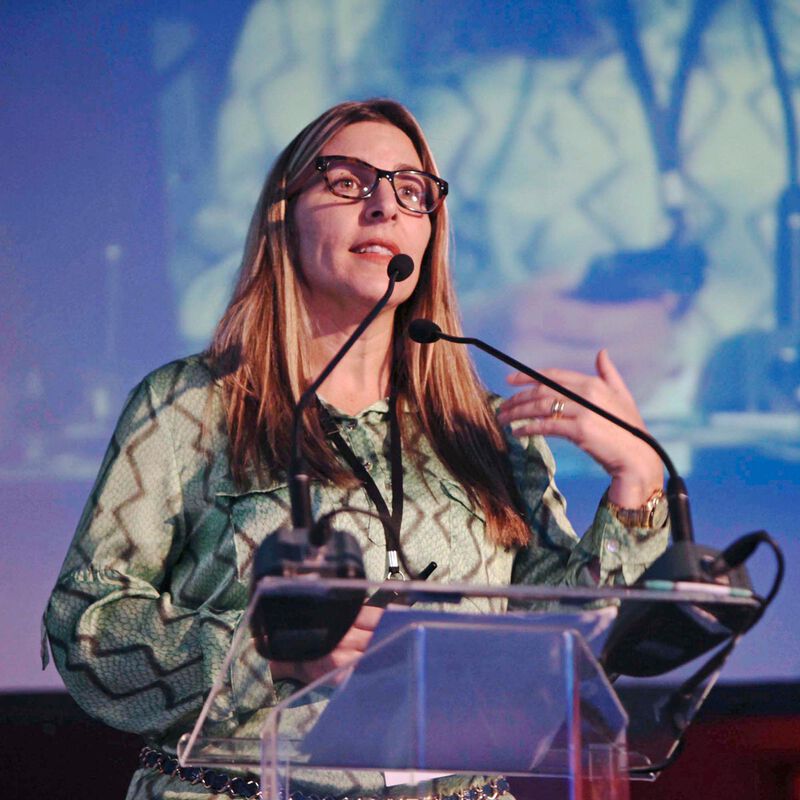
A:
[414,189]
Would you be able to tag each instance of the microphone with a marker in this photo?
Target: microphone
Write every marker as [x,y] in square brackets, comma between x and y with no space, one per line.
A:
[424,331]
[400,267]
[650,638]
[303,623]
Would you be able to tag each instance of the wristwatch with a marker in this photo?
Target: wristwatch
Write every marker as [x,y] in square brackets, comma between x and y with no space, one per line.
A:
[653,514]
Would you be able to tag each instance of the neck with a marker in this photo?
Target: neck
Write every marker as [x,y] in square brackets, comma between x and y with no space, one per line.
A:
[364,374]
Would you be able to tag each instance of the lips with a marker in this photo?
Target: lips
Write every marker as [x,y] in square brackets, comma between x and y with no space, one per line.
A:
[379,247]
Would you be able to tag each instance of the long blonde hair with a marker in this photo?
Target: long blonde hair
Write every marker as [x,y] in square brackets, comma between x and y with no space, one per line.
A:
[261,345]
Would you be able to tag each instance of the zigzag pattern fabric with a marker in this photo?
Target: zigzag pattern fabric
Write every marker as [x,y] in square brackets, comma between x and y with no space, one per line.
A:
[157,577]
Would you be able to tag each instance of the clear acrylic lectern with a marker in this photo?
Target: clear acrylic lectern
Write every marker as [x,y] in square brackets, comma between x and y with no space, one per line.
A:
[446,698]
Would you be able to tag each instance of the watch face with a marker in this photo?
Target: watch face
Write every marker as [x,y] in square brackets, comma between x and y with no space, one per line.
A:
[653,514]
[660,512]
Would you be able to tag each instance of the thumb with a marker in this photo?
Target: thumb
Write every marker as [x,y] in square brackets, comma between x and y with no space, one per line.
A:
[608,372]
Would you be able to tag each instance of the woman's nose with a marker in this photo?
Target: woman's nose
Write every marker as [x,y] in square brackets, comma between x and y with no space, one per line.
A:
[382,203]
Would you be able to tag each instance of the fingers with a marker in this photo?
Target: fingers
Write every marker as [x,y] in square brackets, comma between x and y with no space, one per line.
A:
[565,376]
[352,645]
[519,399]
[536,405]
[607,370]
[545,426]
[518,379]
[358,636]
[535,395]
[604,366]
[538,410]
[368,618]
[607,390]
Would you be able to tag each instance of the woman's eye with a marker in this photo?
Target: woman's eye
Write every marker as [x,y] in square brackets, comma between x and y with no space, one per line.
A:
[411,192]
[346,183]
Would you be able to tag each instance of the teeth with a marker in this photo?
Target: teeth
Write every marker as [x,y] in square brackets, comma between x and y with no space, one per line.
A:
[375,248]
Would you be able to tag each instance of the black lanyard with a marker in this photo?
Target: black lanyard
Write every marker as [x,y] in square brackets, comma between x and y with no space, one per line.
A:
[391,529]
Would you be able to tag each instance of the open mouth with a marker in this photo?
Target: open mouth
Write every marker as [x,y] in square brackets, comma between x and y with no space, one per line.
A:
[375,248]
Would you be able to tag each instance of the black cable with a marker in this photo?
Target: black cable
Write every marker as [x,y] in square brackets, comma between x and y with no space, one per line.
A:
[680,746]
[384,519]
[737,553]
[741,549]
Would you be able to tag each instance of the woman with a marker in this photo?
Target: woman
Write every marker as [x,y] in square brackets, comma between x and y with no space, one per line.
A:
[157,576]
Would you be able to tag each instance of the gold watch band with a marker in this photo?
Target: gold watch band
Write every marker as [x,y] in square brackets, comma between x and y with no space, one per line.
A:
[651,514]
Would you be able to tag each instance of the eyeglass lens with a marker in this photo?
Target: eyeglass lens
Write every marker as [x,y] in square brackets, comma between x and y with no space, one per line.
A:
[414,191]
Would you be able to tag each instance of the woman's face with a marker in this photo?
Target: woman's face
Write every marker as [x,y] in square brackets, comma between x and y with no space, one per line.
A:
[345,245]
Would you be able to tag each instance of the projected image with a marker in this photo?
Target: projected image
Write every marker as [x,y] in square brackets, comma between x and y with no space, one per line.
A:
[623,174]
[616,181]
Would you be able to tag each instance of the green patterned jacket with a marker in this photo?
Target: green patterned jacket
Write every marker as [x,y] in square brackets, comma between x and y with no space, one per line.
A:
[157,576]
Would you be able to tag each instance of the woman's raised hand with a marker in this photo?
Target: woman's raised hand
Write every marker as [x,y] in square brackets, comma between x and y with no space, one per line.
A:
[636,470]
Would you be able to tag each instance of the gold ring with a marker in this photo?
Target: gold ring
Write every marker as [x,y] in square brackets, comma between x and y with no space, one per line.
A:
[557,408]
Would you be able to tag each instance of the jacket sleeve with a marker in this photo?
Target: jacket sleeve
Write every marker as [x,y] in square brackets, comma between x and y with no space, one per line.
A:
[608,553]
[127,652]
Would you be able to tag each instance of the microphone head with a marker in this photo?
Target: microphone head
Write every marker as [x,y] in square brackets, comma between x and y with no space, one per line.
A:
[401,266]
[424,331]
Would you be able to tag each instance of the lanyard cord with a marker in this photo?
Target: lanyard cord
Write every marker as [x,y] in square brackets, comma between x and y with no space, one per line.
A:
[390,529]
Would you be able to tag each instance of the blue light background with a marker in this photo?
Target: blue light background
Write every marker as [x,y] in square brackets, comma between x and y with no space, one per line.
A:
[136,137]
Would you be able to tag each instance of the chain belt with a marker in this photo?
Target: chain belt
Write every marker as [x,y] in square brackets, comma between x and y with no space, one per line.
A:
[220,782]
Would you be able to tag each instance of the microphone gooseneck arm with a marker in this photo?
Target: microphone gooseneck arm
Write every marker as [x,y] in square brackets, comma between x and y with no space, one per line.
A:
[424,331]
[649,639]
[400,267]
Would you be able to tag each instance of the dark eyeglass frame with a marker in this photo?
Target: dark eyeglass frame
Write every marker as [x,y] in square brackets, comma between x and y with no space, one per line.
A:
[322,163]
